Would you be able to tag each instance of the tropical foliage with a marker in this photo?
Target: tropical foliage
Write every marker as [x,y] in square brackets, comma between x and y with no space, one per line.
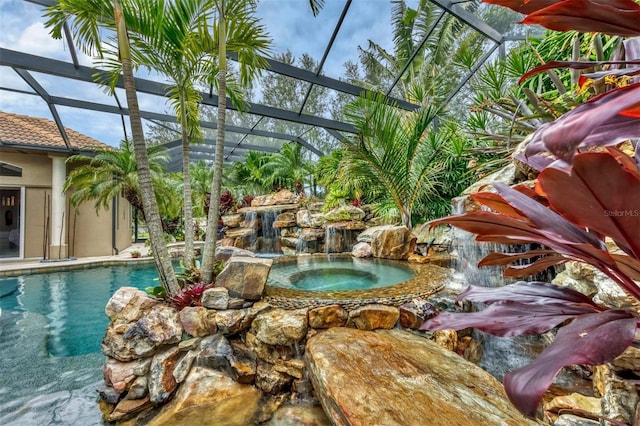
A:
[111,172]
[87,20]
[582,197]
[234,29]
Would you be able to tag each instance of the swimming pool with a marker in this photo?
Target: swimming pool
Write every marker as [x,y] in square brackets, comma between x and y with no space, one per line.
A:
[51,326]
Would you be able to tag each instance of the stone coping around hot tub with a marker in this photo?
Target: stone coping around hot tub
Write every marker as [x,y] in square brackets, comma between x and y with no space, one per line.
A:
[427,280]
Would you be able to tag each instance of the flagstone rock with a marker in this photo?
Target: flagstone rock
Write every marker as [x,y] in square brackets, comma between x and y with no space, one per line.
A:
[285,220]
[372,317]
[232,220]
[209,397]
[307,219]
[393,377]
[343,213]
[281,197]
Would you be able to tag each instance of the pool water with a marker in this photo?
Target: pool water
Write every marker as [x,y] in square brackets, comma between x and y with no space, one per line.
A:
[51,327]
[72,302]
[327,274]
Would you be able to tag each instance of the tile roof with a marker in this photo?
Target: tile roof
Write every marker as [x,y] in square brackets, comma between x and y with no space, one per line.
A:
[18,129]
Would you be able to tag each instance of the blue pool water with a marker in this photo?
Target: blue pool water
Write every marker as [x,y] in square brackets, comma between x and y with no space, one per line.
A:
[51,326]
[327,274]
[72,302]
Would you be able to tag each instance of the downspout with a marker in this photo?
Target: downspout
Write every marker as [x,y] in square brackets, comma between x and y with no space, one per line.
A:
[114,218]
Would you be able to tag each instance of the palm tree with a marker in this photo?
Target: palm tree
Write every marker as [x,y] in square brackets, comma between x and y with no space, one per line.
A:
[112,172]
[393,151]
[88,19]
[173,49]
[288,168]
[235,29]
[248,176]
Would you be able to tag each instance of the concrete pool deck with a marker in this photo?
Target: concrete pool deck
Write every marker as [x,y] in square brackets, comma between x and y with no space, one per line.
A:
[10,268]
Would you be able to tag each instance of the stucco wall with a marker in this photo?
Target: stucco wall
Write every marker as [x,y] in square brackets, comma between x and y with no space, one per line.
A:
[86,233]
[35,221]
[36,169]
[90,233]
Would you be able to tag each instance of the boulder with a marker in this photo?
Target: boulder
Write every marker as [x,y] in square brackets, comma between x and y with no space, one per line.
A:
[367,235]
[128,304]
[269,380]
[393,243]
[209,397]
[347,212]
[361,250]
[280,326]
[216,298]
[392,377]
[141,339]
[224,253]
[416,312]
[233,321]
[245,277]
[311,234]
[299,415]
[328,316]
[198,321]
[162,383]
[372,317]
[441,235]
[121,374]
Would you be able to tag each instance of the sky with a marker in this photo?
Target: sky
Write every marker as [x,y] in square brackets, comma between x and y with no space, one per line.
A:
[290,24]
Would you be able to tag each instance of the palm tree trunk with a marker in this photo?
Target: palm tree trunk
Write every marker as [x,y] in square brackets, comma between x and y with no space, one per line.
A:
[208,255]
[187,207]
[160,252]
[405,213]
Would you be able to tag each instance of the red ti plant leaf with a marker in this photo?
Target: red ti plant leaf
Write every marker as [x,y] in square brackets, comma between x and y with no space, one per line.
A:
[615,17]
[523,6]
[520,308]
[605,120]
[598,195]
[592,338]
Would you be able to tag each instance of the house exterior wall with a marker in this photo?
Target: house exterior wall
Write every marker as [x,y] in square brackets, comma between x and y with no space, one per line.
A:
[85,233]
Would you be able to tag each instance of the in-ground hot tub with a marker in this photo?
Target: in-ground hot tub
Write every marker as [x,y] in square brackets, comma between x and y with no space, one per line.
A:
[319,280]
